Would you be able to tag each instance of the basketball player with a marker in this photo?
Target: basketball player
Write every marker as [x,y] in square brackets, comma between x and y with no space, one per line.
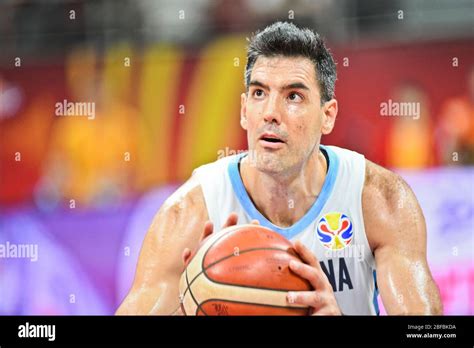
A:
[355,224]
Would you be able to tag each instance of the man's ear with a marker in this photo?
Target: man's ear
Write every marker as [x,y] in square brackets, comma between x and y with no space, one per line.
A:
[243,111]
[329,116]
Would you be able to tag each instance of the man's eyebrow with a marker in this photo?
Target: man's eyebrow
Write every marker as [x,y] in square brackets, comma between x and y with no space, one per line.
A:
[258,84]
[296,85]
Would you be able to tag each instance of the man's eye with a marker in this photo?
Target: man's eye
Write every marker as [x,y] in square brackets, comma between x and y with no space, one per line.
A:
[295,97]
[258,93]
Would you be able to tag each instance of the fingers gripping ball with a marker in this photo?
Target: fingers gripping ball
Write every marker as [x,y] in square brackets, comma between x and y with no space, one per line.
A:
[242,270]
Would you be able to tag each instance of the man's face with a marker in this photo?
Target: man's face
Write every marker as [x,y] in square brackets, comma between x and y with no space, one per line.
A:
[282,113]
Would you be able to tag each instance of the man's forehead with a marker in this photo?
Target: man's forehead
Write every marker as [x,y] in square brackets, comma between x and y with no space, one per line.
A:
[283,69]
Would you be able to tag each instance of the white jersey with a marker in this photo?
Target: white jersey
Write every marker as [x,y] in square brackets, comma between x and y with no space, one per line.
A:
[333,228]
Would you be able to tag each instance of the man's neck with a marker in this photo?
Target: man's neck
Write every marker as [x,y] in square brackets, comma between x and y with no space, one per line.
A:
[285,198]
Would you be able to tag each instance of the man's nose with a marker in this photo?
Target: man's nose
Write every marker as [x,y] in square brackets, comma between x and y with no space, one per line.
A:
[272,112]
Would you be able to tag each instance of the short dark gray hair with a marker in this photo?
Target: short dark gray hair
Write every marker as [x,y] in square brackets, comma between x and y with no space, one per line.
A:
[288,40]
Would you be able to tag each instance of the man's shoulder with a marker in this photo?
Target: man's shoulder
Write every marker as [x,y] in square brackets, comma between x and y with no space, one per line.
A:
[383,188]
[381,184]
[191,193]
[388,204]
[188,195]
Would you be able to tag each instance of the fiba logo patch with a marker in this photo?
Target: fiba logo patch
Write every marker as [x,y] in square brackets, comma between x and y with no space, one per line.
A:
[335,231]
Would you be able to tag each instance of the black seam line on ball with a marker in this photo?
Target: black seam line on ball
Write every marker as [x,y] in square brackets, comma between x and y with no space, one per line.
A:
[245,286]
[203,271]
[204,256]
[191,293]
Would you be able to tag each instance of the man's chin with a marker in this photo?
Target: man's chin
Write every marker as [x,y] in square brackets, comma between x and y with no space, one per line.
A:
[269,162]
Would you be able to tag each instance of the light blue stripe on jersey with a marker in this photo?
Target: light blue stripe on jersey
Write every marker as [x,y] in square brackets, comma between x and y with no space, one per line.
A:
[376,294]
[308,218]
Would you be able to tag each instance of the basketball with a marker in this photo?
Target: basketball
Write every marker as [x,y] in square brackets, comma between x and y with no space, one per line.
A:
[242,270]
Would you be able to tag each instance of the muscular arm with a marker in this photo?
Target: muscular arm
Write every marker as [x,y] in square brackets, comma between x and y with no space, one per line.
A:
[396,231]
[177,225]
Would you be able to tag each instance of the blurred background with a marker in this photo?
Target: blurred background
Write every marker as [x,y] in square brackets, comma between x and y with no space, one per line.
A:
[163,79]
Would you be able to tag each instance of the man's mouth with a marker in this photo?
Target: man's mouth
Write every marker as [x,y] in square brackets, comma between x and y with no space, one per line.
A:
[271,141]
[272,138]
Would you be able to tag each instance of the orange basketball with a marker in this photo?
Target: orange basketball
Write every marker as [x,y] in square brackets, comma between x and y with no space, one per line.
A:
[241,270]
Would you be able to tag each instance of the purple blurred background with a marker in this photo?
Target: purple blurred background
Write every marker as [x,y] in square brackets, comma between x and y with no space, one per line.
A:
[86,259]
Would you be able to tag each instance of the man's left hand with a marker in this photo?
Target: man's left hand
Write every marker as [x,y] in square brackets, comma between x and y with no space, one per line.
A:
[321,300]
